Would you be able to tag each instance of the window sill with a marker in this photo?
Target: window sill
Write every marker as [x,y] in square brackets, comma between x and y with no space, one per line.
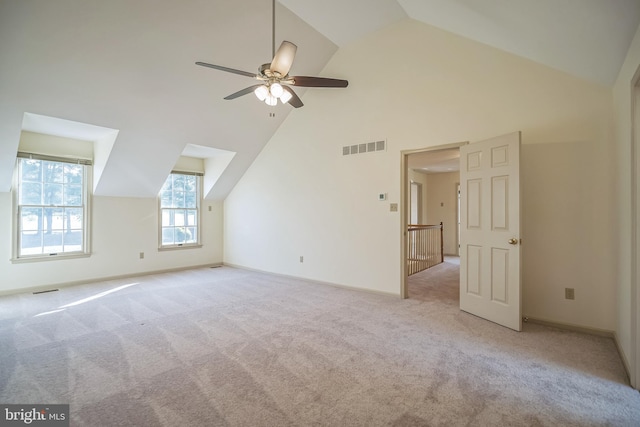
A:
[178,247]
[43,258]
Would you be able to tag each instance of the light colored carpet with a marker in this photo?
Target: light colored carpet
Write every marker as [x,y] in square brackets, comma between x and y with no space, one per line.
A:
[232,347]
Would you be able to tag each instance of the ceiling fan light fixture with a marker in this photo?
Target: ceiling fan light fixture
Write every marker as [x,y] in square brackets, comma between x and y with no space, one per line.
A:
[276,90]
[271,100]
[261,92]
[273,75]
[283,59]
[285,97]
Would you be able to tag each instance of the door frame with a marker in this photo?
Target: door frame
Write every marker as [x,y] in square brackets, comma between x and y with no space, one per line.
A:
[458,201]
[404,208]
[634,362]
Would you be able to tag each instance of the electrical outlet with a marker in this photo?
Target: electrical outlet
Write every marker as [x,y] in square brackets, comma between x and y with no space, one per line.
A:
[141,255]
[569,293]
[301,258]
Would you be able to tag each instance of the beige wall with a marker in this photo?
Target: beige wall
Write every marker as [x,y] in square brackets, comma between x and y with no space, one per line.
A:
[37,143]
[121,229]
[442,197]
[625,292]
[301,197]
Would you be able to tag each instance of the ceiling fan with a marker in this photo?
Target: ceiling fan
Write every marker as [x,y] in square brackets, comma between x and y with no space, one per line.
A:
[274,77]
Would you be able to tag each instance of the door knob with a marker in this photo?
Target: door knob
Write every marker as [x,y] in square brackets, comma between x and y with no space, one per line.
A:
[513,241]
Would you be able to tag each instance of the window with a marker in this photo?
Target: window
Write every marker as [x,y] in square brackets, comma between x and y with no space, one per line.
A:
[180,210]
[51,207]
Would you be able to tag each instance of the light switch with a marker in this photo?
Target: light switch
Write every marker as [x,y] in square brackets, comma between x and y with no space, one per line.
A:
[393,207]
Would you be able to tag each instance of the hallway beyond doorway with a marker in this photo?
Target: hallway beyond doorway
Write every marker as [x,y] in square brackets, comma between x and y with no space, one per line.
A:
[440,283]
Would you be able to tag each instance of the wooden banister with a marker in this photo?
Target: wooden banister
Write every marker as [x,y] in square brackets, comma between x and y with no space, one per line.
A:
[425,246]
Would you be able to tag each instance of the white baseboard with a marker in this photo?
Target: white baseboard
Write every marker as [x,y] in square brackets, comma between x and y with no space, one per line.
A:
[587,330]
[42,288]
[625,362]
[305,279]
[570,327]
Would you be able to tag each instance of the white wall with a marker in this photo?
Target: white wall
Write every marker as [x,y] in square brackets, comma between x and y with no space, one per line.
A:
[122,227]
[442,196]
[302,197]
[622,104]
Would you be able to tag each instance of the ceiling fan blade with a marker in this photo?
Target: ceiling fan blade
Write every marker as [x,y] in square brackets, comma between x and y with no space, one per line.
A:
[283,58]
[242,92]
[228,70]
[305,81]
[295,101]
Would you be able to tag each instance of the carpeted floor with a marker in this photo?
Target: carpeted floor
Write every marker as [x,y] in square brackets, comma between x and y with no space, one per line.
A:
[232,347]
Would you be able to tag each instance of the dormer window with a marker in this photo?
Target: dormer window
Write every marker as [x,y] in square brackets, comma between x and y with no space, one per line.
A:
[51,207]
[180,211]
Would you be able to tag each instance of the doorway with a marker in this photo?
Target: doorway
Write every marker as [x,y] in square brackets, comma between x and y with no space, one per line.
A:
[490,215]
[443,158]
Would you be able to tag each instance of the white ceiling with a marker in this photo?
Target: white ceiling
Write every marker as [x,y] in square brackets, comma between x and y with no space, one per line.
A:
[435,161]
[586,38]
[129,66]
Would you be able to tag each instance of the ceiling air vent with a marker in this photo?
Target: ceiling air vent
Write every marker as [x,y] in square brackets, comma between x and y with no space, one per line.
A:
[366,147]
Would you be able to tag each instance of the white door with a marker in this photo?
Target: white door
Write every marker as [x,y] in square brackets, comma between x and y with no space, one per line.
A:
[490,282]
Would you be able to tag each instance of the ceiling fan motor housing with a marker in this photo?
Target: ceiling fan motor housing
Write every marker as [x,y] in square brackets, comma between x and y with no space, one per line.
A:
[266,72]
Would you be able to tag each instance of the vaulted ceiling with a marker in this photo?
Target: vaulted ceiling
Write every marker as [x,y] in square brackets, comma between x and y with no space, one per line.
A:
[121,73]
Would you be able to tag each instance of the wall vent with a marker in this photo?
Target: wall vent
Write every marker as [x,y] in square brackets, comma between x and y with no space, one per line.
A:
[365,147]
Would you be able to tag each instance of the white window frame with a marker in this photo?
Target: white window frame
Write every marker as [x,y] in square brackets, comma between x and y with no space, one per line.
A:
[85,250]
[198,241]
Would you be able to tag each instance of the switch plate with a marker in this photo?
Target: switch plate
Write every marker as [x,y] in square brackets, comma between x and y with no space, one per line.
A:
[141,255]
[382,196]
[393,207]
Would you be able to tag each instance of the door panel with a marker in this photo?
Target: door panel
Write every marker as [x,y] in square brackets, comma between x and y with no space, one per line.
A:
[474,258]
[474,211]
[500,203]
[499,275]
[490,253]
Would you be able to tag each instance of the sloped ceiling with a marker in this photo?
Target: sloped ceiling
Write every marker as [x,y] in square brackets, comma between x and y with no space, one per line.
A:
[586,38]
[129,65]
